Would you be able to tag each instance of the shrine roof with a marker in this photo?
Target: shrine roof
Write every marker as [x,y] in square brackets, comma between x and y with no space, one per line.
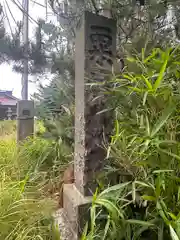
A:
[7,98]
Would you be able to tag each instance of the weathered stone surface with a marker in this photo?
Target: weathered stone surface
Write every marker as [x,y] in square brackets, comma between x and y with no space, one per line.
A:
[74,203]
[73,217]
[62,222]
[25,119]
[95,53]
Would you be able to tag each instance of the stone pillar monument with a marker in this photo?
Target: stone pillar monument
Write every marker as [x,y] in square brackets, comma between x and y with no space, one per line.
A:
[94,57]
[25,119]
[95,49]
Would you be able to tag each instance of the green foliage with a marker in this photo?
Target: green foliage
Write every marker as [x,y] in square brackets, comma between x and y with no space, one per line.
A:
[145,149]
[25,211]
[30,179]
[54,105]
[135,24]
[54,102]
[12,50]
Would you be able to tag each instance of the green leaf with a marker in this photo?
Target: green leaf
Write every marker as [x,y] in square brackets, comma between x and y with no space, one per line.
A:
[131,59]
[143,184]
[93,217]
[85,231]
[139,222]
[147,126]
[129,77]
[148,198]
[142,53]
[149,85]
[178,197]
[161,212]
[162,120]
[106,228]
[116,128]
[150,56]
[173,234]
[113,188]
[162,171]
[111,207]
[135,89]
[133,192]
[95,195]
[145,98]
[172,216]
[161,74]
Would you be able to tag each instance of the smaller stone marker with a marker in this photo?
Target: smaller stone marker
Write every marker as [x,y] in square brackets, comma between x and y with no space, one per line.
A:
[25,119]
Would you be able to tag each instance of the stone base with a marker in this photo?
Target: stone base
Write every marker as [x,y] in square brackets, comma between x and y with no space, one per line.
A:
[72,218]
[64,226]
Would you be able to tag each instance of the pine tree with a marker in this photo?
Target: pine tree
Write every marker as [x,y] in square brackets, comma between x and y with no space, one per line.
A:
[12,49]
[139,23]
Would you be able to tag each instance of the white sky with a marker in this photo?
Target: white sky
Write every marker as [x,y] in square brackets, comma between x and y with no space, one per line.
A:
[10,80]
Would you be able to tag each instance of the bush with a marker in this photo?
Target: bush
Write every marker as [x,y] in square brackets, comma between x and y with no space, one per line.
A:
[54,105]
[145,150]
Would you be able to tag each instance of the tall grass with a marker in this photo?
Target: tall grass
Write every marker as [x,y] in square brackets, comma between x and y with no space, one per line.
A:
[7,129]
[27,175]
[145,150]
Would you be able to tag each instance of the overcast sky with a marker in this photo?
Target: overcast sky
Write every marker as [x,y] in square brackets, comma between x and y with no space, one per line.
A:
[10,80]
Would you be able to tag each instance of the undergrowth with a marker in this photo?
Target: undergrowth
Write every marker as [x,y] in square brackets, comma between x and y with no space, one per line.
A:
[28,174]
[144,152]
